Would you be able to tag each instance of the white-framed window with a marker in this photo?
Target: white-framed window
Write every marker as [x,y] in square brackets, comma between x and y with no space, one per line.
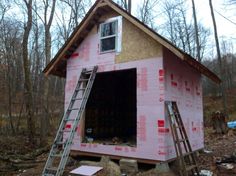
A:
[110,35]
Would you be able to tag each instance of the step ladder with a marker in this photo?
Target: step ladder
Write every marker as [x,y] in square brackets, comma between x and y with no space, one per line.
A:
[60,149]
[186,160]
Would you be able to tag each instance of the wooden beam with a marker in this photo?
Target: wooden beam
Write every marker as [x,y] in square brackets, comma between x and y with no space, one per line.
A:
[102,4]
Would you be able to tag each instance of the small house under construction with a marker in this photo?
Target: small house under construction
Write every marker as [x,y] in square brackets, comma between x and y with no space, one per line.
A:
[138,70]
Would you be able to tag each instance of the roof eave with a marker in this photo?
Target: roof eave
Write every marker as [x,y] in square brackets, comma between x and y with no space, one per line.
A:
[100,3]
[61,53]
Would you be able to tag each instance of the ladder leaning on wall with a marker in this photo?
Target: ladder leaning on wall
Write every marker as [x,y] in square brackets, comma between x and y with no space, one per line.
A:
[60,149]
[187,161]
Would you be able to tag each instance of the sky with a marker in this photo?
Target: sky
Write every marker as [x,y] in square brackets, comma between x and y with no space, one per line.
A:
[224,26]
[226,29]
[225,16]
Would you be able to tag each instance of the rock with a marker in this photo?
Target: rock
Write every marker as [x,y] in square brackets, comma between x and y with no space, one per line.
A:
[128,166]
[109,167]
[113,169]
[104,160]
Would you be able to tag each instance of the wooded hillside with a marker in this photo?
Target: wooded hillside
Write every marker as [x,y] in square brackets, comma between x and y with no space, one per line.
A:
[32,31]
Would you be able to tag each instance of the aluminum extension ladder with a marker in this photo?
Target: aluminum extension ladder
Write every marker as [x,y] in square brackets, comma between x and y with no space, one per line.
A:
[60,149]
[187,161]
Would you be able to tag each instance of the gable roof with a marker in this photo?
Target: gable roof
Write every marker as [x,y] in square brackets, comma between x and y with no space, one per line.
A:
[57,65]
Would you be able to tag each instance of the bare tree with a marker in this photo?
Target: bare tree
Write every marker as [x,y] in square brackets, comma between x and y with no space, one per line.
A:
[126,4]
[146,12]
[78,10]
[72,12]
[27,81]
[222,86]
[181,32]
[4,7]
[170,12]
[47,47]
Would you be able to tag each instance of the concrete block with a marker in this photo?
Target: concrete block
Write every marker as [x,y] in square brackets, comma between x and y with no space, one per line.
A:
[162,167]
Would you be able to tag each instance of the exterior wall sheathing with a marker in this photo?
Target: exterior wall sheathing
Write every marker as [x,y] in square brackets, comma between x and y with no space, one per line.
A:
[183,85]
[154,86]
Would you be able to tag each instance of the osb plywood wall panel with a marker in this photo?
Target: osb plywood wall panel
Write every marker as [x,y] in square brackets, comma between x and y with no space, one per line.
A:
[136,44]
[108,15]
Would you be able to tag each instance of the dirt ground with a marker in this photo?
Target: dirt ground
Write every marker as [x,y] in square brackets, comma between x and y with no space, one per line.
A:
[18,158]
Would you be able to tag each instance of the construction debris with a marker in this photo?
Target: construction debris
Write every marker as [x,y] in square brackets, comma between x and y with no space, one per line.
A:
[86,170]
[207,151]
[226,159]
[205,173]
[231,124]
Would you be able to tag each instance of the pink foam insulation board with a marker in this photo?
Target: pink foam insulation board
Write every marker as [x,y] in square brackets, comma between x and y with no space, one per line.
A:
[183,85]
[155,84]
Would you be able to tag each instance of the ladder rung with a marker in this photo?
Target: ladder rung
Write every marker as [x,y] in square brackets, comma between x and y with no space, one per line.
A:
[189,168]
[181,140]
[76,99]
[67,131]
[52,169]
[57,155]
[69,120]
[83,80]
[188,154]
[73,109]
[80,89]
[60,143]
[87,71]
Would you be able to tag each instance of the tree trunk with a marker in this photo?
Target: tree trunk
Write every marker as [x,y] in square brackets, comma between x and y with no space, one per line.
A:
[196,33]
[45,118]
[186,33]
[26,66]
[222,76]
[10,97]
[129,6]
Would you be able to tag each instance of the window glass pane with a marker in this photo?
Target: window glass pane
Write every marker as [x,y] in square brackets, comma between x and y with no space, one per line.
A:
[108,29]
[108,44]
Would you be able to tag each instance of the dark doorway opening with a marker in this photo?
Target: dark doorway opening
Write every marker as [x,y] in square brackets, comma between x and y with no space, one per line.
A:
[111,110]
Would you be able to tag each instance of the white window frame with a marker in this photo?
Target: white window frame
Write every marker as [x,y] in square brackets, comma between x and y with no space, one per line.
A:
[117,35]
